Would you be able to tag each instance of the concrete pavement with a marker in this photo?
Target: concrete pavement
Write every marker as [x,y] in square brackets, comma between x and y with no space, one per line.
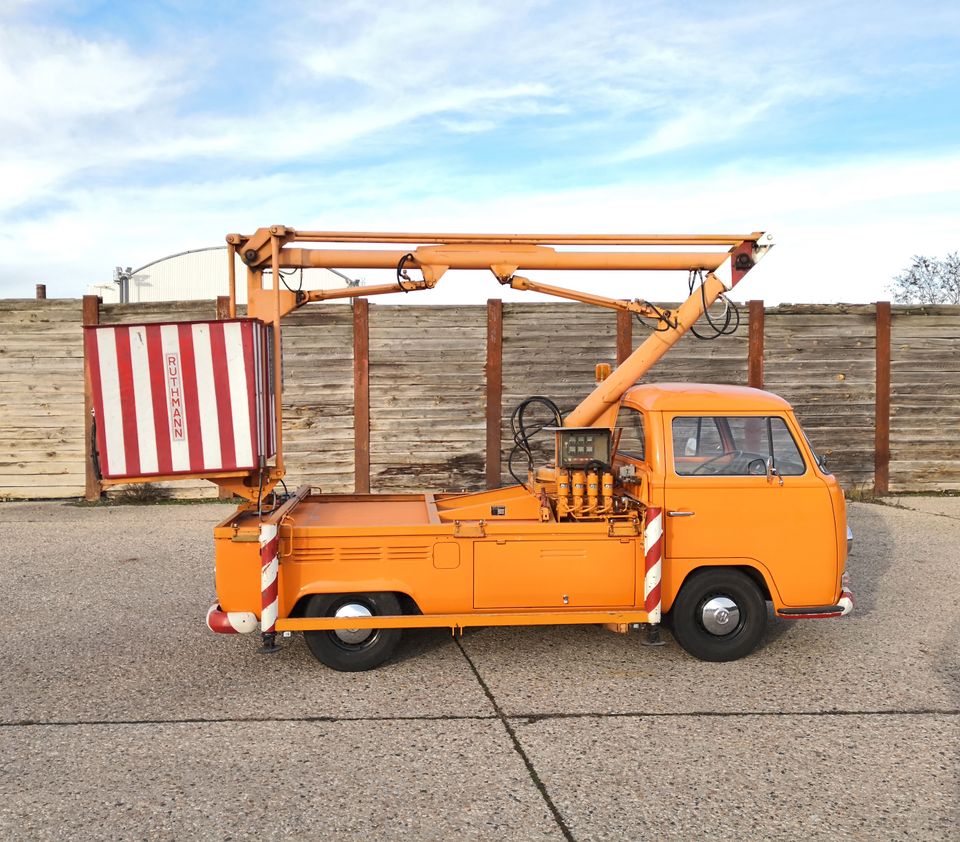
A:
[123,717]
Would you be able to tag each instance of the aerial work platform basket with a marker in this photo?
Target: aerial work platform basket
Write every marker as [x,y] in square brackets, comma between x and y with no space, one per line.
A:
[190,398]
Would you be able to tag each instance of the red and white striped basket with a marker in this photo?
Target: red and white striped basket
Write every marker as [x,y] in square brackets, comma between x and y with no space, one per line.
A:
[183,398]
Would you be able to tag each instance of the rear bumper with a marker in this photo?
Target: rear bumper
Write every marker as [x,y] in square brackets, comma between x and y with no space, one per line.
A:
[821,612]
[231,622]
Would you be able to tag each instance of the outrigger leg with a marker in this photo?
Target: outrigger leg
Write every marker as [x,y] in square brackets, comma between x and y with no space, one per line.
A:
[651,636]
[269,644]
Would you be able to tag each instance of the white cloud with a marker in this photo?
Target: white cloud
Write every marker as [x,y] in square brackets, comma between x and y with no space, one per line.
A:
[50,78]
[842,229]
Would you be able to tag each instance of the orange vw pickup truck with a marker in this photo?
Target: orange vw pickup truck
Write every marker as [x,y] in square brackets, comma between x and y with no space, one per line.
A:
[702,502]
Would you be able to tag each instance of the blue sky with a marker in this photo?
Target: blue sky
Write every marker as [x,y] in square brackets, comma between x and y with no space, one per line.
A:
[131,131]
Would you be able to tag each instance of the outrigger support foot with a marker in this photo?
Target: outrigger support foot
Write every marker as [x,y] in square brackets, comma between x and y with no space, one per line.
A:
[269,645]
[652,636]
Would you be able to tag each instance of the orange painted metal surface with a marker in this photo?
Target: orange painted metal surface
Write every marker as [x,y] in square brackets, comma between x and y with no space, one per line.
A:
[471,256]
[540,552]
[458,622]
[452,556]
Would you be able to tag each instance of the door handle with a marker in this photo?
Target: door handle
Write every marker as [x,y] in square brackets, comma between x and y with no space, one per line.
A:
[680,514]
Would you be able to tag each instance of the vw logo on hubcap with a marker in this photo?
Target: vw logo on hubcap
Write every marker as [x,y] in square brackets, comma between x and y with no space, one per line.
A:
[720,615]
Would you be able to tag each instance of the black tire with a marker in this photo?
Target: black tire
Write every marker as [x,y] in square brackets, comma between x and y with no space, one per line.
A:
[687,615]
[331,649]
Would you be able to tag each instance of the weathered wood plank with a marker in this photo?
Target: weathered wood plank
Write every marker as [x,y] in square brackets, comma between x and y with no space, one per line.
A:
[924,399]
[428,386]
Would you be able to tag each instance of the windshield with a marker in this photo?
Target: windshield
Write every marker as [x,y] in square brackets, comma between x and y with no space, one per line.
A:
[821,460]
[632,440]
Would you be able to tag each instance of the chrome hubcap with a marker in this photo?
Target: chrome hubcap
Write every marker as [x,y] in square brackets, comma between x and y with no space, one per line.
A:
[353,609]
[720,615]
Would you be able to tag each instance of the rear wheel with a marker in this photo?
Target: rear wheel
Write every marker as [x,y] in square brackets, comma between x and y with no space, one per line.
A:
[352,650]
[719,615]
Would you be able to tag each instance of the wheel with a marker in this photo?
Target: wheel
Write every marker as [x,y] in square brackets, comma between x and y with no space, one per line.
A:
[352,650]
[719,615]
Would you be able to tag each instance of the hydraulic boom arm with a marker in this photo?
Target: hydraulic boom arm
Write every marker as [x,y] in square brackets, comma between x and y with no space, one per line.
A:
[725,258]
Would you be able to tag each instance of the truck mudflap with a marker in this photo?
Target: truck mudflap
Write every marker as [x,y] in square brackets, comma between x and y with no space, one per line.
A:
[820,612]
[231,622]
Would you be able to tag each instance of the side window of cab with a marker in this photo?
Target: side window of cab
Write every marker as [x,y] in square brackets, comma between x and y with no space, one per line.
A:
[630,434]
[734,445]
[697,436]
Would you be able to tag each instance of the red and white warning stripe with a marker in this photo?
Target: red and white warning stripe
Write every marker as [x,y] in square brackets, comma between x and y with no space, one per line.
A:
[653,555]
[269,569]
[230,622]
[179,398]
[846,595]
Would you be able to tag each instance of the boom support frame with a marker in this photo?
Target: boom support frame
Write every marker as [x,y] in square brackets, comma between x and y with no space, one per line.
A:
[434,254]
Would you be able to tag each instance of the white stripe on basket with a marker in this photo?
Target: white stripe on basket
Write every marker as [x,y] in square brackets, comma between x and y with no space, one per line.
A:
[110,387]
[143,400]
[207,398]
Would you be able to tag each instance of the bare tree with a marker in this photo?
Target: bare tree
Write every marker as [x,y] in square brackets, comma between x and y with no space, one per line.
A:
[929,280]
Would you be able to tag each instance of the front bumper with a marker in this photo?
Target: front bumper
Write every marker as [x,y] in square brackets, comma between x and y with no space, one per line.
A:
[822,612]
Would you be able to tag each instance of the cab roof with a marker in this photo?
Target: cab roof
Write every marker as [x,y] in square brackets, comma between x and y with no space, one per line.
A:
[702,397]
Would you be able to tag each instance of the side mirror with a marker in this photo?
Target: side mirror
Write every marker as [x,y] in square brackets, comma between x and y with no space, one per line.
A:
[772,471]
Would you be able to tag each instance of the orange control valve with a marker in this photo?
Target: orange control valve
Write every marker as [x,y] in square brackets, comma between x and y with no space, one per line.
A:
[579,480]
[563,493]
[607,490]
[593,492]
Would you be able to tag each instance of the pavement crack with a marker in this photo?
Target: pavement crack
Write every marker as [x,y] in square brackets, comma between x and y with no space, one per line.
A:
[525,718]
[241,720]
[533,718]
[531,769]
[905,508]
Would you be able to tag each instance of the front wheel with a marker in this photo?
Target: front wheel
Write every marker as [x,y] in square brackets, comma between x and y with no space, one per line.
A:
[719,615]
[352,650]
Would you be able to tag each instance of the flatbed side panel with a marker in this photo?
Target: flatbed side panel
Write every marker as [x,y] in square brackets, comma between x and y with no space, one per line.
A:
[305,527]
[432,568]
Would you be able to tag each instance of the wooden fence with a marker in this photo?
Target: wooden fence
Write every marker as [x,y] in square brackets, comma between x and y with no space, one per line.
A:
[397,398]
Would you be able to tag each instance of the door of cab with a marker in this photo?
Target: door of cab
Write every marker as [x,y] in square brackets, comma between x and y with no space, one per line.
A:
[720,503]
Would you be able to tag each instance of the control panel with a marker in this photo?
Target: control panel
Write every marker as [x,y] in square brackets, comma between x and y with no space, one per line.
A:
[578,446]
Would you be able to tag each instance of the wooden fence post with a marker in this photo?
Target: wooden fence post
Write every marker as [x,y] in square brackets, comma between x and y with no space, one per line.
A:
[755,349]
[881,466]
[624,335]
[92,488]
[361,396]
[494,372]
